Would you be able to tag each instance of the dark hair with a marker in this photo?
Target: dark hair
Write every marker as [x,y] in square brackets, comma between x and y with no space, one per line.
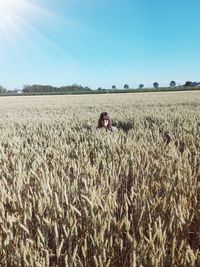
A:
[104,115]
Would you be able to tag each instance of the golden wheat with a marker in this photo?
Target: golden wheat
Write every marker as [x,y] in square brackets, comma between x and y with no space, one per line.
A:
[71,196]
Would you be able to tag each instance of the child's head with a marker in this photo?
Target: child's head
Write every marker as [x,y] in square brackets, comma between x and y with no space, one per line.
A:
[104,121]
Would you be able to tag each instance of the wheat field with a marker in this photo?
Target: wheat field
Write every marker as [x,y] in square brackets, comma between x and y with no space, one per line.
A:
[71,196]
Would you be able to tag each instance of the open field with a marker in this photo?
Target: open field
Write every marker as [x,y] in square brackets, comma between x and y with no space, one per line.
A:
[70,196]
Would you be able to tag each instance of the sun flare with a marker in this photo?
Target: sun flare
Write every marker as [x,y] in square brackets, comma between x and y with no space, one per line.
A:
[11,12]
[19,18]
[8,8]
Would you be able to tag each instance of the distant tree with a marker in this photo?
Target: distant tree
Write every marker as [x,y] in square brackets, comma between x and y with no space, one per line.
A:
[99,89]
[114,87]
[126,86]
[195,84]
[87,88]
[141,86]
[2,89]
[172,84]
[155,85]
[188,83]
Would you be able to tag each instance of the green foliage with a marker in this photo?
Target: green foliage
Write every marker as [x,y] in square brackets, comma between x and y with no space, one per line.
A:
[155,85]
[51,89]
[2,89]
[126,86]
[172,84]
[141,86]
[188,83]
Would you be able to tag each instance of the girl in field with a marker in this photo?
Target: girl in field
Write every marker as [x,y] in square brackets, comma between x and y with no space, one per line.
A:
[104,122]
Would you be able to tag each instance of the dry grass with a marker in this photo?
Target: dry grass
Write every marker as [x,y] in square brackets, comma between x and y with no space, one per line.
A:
[70,196]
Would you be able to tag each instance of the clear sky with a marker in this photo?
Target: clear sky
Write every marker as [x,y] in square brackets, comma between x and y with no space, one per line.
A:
[99,43]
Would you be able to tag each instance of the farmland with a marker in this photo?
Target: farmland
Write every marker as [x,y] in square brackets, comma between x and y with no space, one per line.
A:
[71,196]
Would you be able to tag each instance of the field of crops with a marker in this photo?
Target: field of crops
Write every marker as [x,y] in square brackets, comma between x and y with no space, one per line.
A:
[72,196]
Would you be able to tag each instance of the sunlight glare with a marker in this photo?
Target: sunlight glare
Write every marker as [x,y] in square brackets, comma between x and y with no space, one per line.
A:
[10,10]
[17,17]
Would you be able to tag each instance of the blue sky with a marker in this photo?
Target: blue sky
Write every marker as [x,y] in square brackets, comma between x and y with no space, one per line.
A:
[99,43]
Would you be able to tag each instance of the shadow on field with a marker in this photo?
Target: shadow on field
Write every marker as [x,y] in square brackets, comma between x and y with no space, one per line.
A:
[166,131]
[126,126]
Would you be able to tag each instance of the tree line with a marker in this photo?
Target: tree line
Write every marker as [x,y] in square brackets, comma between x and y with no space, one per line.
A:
[172,84]
[48,88]
[36,88]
